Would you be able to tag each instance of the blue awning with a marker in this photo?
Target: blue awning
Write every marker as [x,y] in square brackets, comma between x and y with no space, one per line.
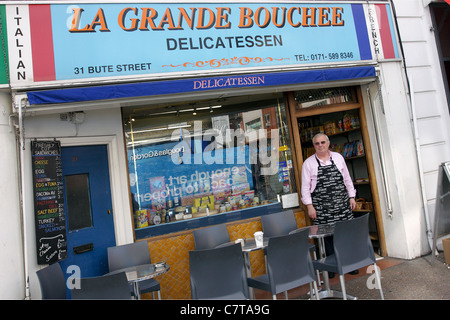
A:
[153,88]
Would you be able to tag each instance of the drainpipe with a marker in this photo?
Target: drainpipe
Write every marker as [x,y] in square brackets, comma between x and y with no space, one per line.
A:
[23,205]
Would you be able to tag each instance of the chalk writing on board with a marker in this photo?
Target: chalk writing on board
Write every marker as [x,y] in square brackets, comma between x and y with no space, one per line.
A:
[50,218]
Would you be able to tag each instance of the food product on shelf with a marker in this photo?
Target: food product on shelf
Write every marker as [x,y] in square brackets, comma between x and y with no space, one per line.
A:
[347,122]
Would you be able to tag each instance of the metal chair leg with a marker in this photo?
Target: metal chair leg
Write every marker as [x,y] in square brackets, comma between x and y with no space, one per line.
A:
[342,281]
[378,279]
[317,271]
[316,290]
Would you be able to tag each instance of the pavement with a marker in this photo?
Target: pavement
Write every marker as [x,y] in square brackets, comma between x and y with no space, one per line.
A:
[417,279]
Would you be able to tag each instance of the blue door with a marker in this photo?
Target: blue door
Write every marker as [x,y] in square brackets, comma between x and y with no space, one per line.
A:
[88,207]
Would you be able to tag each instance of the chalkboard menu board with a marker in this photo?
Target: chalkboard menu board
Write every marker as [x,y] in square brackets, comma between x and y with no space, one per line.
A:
[50,218]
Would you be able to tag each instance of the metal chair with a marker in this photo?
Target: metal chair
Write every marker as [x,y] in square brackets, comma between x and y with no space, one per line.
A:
[218,273]
[129,255]
[52,282]
[278,224]
[289,265]
[211,237]
[105,287]
[281,224]
[352,250]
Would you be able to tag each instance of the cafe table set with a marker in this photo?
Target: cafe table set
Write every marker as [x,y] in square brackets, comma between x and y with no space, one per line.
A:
[318,232]
[139,273]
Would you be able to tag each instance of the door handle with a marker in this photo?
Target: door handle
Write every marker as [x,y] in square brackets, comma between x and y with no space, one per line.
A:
[108,211]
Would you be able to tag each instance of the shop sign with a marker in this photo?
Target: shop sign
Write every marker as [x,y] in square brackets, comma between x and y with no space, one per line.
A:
[109,41]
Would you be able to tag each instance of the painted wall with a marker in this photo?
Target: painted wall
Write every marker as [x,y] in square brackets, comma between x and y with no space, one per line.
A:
[11,262]
[411,175]
[432,113]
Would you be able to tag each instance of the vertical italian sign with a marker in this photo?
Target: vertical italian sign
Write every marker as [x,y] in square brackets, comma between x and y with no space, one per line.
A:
[4,44]
[85,41]
[50,219]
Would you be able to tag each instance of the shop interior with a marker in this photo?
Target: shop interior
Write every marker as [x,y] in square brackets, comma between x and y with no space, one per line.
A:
[202,158]
[175,147]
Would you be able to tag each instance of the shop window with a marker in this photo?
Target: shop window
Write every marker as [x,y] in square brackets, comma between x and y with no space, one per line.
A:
[205,159]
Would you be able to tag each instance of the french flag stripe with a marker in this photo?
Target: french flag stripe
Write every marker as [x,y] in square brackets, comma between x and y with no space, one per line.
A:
[385,32]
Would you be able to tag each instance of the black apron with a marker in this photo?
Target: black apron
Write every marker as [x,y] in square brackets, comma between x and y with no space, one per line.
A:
[330,197]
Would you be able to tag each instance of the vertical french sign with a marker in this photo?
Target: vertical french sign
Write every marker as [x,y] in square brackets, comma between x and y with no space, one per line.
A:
[381,32]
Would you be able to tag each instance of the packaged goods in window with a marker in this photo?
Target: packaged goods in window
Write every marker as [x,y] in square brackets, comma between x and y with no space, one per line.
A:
[141,218]
[340,126]
[346,150]
[359,148]
[330,128]
[153,218]
[179,216]
[235,198]
[350,121]
[201,203]
[250,194]
[248,198]
[221,195]
[355,121]
[338,147]
[353,149]
[347,122]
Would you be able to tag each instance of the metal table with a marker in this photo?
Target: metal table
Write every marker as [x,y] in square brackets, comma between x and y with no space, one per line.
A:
[142,272]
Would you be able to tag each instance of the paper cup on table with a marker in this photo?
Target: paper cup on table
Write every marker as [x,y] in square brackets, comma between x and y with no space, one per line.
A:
[259,238]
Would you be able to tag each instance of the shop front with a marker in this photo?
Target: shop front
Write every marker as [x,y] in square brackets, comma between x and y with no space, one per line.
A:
[202,123]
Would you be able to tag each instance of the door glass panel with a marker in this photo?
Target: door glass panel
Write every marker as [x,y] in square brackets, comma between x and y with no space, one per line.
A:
[78,201]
